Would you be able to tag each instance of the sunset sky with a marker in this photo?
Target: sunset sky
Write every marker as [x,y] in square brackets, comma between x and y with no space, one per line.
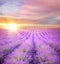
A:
[40,11]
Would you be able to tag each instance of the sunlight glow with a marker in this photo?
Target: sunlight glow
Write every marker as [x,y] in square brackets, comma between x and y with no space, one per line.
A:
[11,27]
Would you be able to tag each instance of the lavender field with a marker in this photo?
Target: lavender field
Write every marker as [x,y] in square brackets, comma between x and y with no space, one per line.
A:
[30,46]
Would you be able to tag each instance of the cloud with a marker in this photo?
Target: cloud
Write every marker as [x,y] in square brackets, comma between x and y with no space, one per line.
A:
[41,11]
[25,12]
[48,4]
[10,7]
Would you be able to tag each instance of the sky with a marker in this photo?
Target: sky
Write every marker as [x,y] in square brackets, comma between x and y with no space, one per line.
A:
[40,11]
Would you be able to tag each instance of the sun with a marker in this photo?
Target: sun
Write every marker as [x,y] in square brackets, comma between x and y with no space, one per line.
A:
[11,27]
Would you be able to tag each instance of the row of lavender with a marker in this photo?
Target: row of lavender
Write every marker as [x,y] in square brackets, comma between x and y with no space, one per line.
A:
[38,46]
[48,45]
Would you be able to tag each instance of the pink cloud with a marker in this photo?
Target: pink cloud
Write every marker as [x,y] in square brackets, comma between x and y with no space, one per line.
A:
[32,12]
[47,4]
